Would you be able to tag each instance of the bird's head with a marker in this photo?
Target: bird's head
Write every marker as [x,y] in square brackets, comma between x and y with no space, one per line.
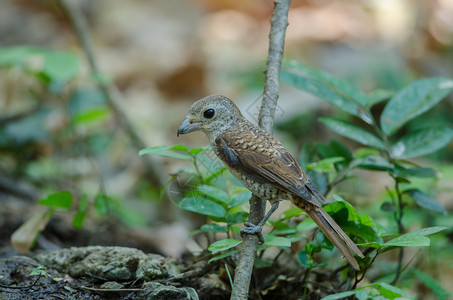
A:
[212,115]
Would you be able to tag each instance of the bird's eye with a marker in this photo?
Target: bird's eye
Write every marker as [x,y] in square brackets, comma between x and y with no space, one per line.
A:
[209,113]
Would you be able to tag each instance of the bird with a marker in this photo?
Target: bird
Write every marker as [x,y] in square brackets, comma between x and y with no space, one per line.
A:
[263,166]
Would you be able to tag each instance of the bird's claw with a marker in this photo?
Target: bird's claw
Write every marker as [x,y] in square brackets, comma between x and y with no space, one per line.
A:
[253,229]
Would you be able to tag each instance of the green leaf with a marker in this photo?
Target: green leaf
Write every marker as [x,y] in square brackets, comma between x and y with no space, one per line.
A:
[291,212]
[78,219]
[39,271]
[272,240]
[12,56]
[412,101]
[223,245]
[433,284]
[324,165]
[305,225]
[428,230]
[353,132]
[303,258]
[407,240]
[321,91]
[237,217]
[94,114]
[214,228]
[416,172]
[378,96]
[83,205]
[390,291]
[164,151]
[340,85]
[340,295]
[225,254]
[60,66]
[61,199]
[102,204]
[240,199]
[425,201]
[370,244]
[196,151]
[202,206]
[388,207]
[422,142]
[374,163]
[214,192]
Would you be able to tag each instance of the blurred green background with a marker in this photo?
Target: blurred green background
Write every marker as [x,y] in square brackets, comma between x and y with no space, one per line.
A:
[58,131]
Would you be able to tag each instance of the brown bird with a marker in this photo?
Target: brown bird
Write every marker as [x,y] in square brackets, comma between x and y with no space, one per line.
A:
[263,165]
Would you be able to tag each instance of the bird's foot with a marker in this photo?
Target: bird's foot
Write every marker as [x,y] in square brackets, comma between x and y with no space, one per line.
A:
[253,229]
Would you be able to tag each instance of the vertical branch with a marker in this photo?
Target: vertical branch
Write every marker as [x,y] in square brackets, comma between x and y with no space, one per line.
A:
[399,222]
[279,22]
[111,92]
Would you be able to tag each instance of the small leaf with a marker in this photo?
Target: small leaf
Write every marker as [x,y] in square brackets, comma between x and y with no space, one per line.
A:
[407,240]
[303,258]
[11,56]
[39,271]
[223,245]
[291,212]
[388,207]
[378,96]
[240,199]
[433,284]
[214,228]
[374,163]
[202,206]
[416,172]
[322,91]
[390,291]
[213,192]
[370,244]
[324,165]
[425,201]
[223,255]
[164,151]
[305,225]
[272,240]
[428,230]
[196,151]
[238,217]
[341,85]
[422,142]
[412,101]
[60,65]
[342,295]
[78,219]
[353,132]
[61,199]
[180,148]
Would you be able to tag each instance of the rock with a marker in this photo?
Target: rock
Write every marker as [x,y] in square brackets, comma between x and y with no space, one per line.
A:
[112,285]
[110,263]
[155,290]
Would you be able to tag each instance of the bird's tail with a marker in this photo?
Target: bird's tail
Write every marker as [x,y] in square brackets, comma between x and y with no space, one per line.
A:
[335,234]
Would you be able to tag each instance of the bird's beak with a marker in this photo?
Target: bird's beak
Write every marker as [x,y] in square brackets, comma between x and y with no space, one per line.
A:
[187,127]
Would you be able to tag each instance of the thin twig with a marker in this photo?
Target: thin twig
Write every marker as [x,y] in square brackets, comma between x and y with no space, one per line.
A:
[399,222]
[111,92]
[247,256]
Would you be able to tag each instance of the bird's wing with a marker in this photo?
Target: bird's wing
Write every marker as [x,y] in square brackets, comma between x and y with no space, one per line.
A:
[270,163]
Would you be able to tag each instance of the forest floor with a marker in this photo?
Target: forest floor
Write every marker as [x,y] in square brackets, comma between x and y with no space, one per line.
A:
[118,266]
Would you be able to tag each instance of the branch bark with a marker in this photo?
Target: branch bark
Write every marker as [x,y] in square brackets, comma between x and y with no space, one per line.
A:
[111,92]
[279,22]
